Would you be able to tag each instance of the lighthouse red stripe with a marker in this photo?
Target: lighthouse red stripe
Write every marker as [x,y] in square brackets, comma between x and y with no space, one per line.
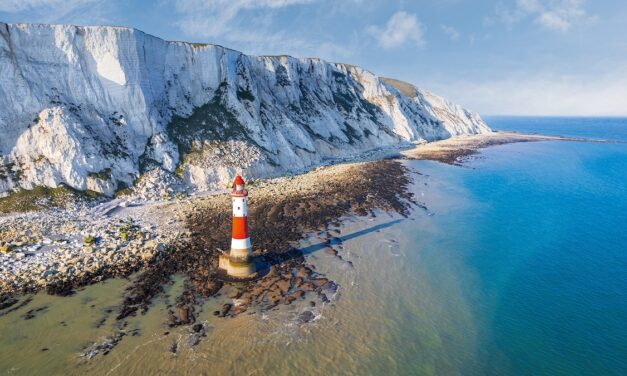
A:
[240,227]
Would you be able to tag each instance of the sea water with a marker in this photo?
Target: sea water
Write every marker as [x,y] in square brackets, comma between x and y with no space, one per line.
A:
[539,252]
[517,267]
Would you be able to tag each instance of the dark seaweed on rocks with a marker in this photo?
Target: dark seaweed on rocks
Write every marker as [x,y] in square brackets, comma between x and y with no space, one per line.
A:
[31,314]
[7,301]
[279,216]
[10,304]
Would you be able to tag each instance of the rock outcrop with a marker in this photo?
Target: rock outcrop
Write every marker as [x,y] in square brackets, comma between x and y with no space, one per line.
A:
[97,107]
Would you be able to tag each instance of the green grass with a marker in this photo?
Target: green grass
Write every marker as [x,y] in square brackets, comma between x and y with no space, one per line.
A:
[18,174]
[190,157]
[129,231]
[5,248]
[123,190]
[9,170]
[40,159]
[213,121]
[180,169]
[102,175]
[40,198]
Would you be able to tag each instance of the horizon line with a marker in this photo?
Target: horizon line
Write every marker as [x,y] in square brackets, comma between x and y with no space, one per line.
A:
[555,116]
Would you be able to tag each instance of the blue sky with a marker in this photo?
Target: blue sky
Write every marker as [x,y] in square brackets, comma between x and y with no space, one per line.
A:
[522,57]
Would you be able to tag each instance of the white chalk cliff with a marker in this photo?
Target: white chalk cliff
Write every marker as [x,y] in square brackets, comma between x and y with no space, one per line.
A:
[98,107]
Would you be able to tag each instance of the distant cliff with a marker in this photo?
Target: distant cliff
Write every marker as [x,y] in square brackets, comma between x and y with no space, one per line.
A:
[97,107]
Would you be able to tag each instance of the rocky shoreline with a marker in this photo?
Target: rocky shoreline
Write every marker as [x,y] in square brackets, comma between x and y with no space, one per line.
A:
[456,149]
[280,214]
[58,251]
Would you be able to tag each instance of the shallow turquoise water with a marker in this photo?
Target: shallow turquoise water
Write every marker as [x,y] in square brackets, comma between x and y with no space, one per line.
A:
[519,267]
[541,250]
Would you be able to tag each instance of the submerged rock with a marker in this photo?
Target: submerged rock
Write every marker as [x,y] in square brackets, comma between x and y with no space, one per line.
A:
[103,347]
[226,307]
[306,316]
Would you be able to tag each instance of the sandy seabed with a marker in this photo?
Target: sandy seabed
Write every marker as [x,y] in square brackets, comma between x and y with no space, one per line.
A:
[282,212]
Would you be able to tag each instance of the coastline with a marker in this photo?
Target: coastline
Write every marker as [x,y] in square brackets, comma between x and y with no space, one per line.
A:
[280,214]
[455,149]
[50,251]
[165,241]
[191,233]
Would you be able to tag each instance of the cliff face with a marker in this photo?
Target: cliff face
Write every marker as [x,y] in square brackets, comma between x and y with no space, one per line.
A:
[97,107]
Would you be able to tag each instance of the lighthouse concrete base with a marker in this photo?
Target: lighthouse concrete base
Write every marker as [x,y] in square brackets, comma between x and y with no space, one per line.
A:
[238,269]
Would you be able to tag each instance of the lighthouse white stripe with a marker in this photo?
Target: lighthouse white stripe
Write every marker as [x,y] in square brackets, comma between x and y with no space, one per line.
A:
[240,243]
[240,209]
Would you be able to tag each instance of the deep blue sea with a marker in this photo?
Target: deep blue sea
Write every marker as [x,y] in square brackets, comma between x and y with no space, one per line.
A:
[609,128]
[518,267]
[537,249]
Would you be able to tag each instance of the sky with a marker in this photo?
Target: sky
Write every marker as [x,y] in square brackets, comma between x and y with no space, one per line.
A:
[498,57]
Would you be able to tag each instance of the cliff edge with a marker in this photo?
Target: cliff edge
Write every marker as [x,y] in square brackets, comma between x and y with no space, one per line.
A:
[104,108]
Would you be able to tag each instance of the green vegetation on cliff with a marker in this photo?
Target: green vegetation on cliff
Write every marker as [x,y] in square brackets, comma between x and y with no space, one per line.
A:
[40,198]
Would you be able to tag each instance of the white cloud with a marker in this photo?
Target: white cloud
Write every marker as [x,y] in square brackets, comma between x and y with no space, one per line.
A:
[250,25]
[451,32]
[401,28]
[16,6]
[543,94]
[215,18]
[560,15]
[59,11]
[529,5]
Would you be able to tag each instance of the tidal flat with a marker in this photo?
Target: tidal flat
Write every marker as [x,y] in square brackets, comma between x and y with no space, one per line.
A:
[282,213]
[319,235]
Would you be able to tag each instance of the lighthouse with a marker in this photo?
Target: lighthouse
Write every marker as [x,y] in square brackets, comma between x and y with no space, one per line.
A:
[239,263]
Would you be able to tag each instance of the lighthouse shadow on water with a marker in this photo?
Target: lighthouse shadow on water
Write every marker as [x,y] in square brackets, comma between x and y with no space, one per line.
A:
[239,264]
[263,264]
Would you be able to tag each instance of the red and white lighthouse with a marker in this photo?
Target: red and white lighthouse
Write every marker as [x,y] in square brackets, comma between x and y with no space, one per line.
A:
[240,241]
[239,262]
